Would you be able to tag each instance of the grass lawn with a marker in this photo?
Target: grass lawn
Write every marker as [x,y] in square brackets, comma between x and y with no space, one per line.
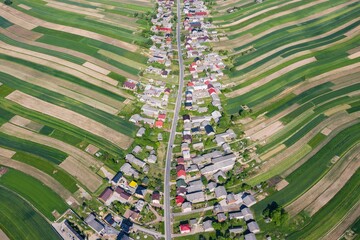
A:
[39,195]
[19,220]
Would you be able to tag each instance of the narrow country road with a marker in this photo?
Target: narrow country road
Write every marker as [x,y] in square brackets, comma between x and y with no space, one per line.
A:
[167,215]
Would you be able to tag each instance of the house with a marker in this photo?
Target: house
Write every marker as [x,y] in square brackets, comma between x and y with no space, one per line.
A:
[207,225]
[246,212]
[150,111]
[221,217]
[123,236]
[181,191]
[152,158]
[132,159]
[181,183]
[185,228]
[159,124]
[180,160]
[186,207]
[141,132]
[121,195]
[250,236]
[186,154]
[68,231]
[211,186]
[236,215]
[187,138]
[180,171]
[253,227]
[94,223]
[162,117]
[195,197]
[140,192]
[179,200]
[155,197]
[110,220]
[116,179]
[137,149]
[139,205]
[193,168]
[209,130]
[195,186]
[236,230]
[132,215]
[186,118]
[105,196]
[129,85]
[249,200]
[220,192]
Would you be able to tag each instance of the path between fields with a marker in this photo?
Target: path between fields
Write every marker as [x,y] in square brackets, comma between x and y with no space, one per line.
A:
[336,232]
[323,191]
[22,19]
[233,43]
[39,175]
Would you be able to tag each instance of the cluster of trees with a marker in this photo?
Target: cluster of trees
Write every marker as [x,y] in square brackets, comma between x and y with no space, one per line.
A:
[8,2]
[276,213]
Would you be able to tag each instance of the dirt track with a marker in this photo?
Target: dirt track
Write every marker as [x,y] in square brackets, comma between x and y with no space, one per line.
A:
[71,117]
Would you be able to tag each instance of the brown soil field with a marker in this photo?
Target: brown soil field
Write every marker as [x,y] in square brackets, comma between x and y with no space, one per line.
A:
[336,109]
[22,18]
[82,173]
[78,154]
[3,235]
[317,196]
[346,222]
[23,6]
[39,175]
[235,43]
[283,183]
[71,117]
[354,50]
[26,123]
[265,132]
[6,153]
[24,33]
[271,77]
[96,68]
[273,152]
[66,69]
[77,92]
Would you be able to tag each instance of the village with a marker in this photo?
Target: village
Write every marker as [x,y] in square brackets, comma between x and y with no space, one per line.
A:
[199,171]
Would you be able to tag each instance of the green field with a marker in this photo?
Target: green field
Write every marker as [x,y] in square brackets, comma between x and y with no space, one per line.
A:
[19,220]
[333,212]
[40,196]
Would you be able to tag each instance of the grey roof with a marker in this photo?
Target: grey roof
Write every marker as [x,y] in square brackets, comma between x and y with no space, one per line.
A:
[195,197]
[230,156]
[236,215]
[253,227]
[207,225]
[94,223]
[249,200]
[236,230]
[127,169]
[250,236]
[220,192]
[211,186]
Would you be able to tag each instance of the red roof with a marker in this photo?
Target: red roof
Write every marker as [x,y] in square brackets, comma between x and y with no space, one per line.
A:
[181,173]
[159,124]
[162,116]
[211,91]
[122,193]
[184,228]
[193,64]
[179,200]
[201,13]
[191,69]
[129,85]
[190,84]
[180,160]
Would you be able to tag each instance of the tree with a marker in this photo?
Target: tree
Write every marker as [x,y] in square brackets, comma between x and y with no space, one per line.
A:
[8,2]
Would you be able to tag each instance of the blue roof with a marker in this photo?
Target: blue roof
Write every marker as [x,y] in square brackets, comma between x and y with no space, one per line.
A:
[209,129]
[117,177]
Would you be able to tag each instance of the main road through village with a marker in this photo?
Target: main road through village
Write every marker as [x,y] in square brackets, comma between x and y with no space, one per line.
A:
[167,216]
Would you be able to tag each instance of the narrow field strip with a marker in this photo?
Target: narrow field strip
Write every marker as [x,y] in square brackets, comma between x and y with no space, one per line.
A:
[75,9]
[6,153]
[96,68]
[317,196]
[270,77]
[81,173]
[37,174]
[24,33]
[51,83]
[71,117]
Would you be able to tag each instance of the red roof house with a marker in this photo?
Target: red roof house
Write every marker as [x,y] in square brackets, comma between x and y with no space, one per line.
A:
[162,117]
[129,85]
[185,228]
[179,200]
[180,171]
[212,91]
[159,124]
[106,195]
[180,160]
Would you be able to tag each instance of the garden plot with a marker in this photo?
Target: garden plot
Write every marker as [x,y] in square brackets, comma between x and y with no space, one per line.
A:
[26,123]
[71,117]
